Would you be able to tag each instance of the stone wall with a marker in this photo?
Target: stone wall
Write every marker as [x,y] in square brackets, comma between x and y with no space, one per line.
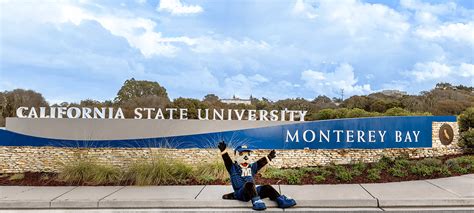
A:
[52,159]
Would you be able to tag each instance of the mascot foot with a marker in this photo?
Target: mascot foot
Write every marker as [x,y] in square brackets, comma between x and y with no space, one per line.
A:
[229,196]
[285,202]
[258,204]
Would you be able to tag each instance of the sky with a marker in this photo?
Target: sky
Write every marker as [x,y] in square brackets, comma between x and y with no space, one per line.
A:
[76,50]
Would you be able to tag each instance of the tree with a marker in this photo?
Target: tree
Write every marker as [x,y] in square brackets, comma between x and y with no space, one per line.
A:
[379,106]
[322,99]
[151,101]
[211,98]
[361,102]
[293,104]
[3,106]
[191,104]
[412,103]
[466,127]
[90,103]
[20,98]
[323,102]
[263,104]
[443,85]
[132,89]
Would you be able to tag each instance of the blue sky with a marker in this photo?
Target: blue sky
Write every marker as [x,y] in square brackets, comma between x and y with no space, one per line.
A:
[73,50]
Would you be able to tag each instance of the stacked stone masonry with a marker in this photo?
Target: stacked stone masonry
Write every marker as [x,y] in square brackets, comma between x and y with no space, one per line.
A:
[52,159]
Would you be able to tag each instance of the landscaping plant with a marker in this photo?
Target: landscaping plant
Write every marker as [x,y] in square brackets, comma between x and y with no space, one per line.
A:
[165,172]
[466,127]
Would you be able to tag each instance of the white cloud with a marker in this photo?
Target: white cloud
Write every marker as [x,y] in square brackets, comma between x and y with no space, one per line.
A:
[176,7]
[331,83]
[466,70]
[139,32]
[429,24]
[201,80]
[401,85]
[437,9]
[435,71]
[242,86]
[358,19]
[430,70]
[279,43]
[287,85]
[208,44]
[258,78]
[304,9]
[458,32]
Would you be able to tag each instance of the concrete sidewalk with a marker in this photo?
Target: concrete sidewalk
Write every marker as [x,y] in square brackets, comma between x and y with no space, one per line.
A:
[453,192]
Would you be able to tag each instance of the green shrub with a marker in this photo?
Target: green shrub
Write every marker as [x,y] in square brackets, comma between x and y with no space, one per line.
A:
[398,171]
[208,172]
[383,163]
[463,164]
[358,168]
[181,171]
[44,177]
[399,167]
[426,167]
[396,111]
[205,179]
[444,170]
[273,173]
[309,170]
[401,162]
[83,171]
[316,170]
[18,176]
[293,176]
[357,113]
[77,172]
[373,174]
[466,127]
[433,162]
[325,114]
[319,178]
[106,174]
[159,172]
[454,165]
[342,173]
[341,113]
[466,119]
[324,172]
[467,138]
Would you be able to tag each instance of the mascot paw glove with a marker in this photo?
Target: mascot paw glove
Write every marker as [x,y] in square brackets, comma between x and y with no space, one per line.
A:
[285,202]
[271,155]
[222,146]
[258,204]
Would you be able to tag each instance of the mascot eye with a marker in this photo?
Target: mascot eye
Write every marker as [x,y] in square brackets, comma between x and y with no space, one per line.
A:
[240,153]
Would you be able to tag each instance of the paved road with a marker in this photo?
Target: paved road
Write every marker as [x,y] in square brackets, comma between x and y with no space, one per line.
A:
[453,194]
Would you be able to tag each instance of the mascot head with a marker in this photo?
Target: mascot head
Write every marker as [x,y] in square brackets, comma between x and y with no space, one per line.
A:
[242,154]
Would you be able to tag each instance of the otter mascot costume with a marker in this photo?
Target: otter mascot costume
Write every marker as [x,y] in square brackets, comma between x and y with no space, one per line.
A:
[242,175]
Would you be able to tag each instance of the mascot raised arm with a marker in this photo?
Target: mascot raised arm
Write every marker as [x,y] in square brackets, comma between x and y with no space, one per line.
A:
[242,174]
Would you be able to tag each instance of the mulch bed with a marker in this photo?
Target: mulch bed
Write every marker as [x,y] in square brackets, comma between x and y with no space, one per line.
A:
[50,179]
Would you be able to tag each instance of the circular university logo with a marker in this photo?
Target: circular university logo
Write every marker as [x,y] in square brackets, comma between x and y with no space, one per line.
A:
[446,134]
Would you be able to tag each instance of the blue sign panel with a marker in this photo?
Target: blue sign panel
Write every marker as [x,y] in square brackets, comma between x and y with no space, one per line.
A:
[356,133]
